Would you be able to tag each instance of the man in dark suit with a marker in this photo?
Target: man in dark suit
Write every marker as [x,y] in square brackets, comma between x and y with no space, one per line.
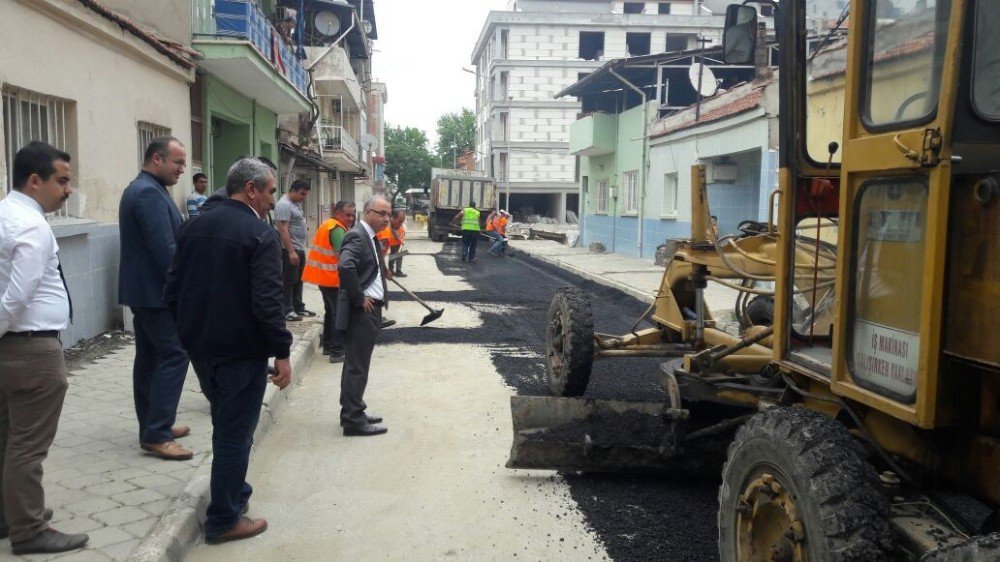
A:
[224,288]
[148,221]
[362,296]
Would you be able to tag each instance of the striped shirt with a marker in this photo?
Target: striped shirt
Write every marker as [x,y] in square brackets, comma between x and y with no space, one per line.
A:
[194,201]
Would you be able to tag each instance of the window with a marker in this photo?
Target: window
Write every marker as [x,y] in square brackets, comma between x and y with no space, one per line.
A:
[904,60]
[676,42]
[663,8]
[602,197]
[29,116]
[986,69]
[197,120]
[504,44]
[591,45]
[504,78]
[502,172]
[630,187]
[634,7]
[766,10]
[504,118]
[148,132]
[669,208]
[637,43]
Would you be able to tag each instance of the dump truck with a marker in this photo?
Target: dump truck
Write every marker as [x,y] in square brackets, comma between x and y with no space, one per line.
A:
[451,191]
[859,402]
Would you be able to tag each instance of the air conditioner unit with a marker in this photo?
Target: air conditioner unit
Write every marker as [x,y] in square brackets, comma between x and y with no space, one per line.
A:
[722,173]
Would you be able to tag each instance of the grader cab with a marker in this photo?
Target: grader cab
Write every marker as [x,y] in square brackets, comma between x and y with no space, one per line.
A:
[863,385]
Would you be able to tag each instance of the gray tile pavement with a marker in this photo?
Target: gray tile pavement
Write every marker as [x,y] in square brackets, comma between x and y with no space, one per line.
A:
[97,479]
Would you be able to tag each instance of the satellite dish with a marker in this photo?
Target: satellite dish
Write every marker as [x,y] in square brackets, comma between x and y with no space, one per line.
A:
[709,85]
[367,26]
[368,141]
[327,23]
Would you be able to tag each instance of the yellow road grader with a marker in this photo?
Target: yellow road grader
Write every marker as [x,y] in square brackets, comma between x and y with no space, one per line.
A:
[864,382]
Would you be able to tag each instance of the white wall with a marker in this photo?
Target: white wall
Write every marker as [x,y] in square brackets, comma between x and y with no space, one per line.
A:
[112,87]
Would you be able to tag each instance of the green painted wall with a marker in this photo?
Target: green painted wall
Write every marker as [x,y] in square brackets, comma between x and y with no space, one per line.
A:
[234,126]
[628,133]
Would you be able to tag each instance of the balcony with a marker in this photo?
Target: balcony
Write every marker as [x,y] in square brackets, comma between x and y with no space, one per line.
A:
[339,148]
[243,49]
[334,76]
[593,135]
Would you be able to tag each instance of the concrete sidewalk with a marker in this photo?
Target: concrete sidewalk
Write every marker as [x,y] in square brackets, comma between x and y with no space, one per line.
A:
[97,479]
[635,277]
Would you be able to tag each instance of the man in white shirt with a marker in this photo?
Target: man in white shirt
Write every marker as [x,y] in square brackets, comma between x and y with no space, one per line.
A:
[360,301]
[34,307]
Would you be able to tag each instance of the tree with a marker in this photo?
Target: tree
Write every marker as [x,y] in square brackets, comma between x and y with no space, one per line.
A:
[408,159]
[456,133]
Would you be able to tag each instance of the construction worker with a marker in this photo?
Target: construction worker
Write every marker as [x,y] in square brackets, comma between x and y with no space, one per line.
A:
[395,238]
[321,270]
[496,228]
[469,218]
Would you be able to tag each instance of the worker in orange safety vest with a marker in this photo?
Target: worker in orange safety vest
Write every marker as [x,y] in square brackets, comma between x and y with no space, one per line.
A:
[392,239]
[321,269]
[496,228]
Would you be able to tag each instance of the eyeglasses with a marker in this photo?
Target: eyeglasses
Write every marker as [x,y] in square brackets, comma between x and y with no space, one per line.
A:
[382,214]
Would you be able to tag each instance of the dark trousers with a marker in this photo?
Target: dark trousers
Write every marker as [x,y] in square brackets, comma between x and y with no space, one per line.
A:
[330,340]
[235,391]
[469,240]
[291,281]
[32,387]
[158,373]
[359,342]
[396,265]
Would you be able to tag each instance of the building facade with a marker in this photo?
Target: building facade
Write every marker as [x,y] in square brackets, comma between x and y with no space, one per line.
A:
[526,56]
[98,83]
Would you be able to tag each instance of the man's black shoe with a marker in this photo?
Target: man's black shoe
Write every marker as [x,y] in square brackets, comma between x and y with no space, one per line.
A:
[399,274]
[306,313]
[372,419]
[365,430]
[47,516]
[386,323]
[49,541]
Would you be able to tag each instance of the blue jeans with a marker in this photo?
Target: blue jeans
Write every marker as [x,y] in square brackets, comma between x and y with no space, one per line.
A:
[158,373]
[235,391]
[499,241]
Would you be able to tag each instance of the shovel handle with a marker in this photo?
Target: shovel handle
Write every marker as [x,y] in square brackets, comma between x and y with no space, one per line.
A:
[411,295]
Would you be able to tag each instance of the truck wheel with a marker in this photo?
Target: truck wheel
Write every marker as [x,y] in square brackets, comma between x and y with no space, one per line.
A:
[434,234]
[795,487]
[570,347]
[976,549]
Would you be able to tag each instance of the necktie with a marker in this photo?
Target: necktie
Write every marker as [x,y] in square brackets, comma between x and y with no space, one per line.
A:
[68,297]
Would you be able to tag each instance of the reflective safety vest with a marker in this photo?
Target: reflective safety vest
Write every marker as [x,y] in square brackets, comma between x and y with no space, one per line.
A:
[470,219]
[500,225]
[396,236]
[321,263]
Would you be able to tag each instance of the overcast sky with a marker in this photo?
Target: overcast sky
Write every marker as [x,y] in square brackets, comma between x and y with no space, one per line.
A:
[420,53]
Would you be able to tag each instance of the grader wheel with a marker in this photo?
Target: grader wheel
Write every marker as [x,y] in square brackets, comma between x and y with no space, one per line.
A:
[795,488]
[570,342]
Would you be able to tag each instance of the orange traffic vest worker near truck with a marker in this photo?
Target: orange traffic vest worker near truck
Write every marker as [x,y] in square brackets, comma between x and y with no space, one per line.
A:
[322,270]
[392,238]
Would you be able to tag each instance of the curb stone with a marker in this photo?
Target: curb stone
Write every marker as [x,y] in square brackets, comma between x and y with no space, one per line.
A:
[179,528]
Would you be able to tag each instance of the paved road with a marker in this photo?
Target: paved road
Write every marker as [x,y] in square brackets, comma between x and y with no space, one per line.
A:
[435,487]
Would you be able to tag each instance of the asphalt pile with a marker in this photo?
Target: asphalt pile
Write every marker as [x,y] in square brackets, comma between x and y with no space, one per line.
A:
[636,517]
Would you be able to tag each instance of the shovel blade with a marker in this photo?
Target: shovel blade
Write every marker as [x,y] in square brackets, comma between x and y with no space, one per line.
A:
[432,317]
[588,435]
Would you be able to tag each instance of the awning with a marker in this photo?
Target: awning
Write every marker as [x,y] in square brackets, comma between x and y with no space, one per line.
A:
[308,156]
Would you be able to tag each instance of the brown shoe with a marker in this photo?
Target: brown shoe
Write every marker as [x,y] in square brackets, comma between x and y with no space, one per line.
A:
[169,450]
[244,529]
[180,431]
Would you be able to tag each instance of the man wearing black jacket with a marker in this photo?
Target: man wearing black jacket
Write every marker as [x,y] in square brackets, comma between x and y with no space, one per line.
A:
[224,289]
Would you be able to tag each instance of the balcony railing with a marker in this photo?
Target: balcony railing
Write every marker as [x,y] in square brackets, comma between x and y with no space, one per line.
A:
[334,137]
[244,20]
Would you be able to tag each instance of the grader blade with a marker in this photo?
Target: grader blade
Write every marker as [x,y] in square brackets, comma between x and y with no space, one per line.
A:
[588,435]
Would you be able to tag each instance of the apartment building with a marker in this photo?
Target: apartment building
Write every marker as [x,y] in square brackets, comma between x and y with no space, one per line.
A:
[527,55]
